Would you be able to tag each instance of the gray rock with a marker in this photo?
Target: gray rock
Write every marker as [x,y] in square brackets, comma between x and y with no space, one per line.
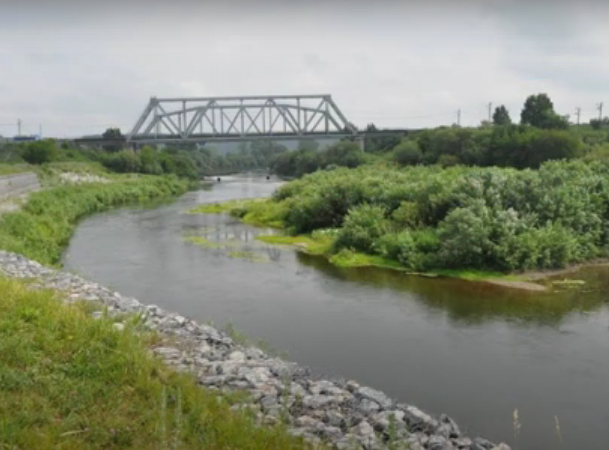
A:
[348,442]
[418,420]
[335,419]
[439,443]
[118,326]
[463,442]
[331,433]
[318,401]
[306,422]
[454,428]
[364,429]
[368,406]
[501,446]
[375,396]
[483,444]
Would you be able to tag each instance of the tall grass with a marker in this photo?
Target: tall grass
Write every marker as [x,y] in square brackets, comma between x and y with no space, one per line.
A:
[71,382]
[43,226]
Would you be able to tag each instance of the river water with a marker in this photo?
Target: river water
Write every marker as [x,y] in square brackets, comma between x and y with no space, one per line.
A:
[474,351]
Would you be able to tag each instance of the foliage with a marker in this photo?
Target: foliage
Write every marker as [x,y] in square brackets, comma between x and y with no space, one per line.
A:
[501,116]
[149,161]
[429,218]
[407,153]
[39,152]
[598,124]
[522,146]
[72,382]
[305,160]
[43,226]
[539,112]
[363,225]
[113,133]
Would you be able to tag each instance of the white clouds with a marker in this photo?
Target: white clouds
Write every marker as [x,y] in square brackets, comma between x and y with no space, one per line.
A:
[385,63]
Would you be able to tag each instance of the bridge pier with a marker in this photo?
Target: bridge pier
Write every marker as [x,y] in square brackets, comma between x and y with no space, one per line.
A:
[360,141]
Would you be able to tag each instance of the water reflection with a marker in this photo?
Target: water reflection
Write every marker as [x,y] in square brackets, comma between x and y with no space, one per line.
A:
[474,303]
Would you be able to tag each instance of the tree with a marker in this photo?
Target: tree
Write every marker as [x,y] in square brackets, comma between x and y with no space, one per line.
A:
[597,124]
[407,153]
[40,152]
[501,116]
[112,133]
[539,112]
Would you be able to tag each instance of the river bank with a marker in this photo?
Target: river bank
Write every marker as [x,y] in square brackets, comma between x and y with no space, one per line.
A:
[254,212]
[340,412]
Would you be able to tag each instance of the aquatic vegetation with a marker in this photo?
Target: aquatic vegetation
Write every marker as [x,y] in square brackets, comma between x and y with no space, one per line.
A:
[223,207]
[203,242]
[250,256]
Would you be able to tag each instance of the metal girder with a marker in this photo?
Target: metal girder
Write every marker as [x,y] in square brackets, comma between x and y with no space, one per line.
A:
[280,117]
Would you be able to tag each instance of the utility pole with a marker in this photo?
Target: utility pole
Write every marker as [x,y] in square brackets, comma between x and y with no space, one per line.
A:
[490,108]
[40,131]
[18,127]
[600,110]
[578,112]
[458,117]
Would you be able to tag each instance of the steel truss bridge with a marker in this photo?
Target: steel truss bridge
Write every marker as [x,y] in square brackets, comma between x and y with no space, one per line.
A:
[225,119]
[240,118]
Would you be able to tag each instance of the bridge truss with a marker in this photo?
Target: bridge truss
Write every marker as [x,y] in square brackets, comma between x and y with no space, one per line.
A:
[209,119]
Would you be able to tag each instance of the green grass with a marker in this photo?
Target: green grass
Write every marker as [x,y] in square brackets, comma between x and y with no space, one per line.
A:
[10,169]
[255,211]
[477,275]
[308,244]
[250,256]
[70,382]
[221,207]
[203,242]
[41,229]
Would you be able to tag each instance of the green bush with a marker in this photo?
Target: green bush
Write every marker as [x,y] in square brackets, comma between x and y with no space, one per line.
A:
[459,217]
[363,225]
[407,153]
[40,152]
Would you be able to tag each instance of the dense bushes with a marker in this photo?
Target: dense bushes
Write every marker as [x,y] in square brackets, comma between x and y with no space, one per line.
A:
[304,160]
[508,146]
[477,218]
[39,152]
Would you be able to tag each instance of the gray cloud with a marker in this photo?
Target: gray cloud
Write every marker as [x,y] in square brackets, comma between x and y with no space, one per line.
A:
[78,67]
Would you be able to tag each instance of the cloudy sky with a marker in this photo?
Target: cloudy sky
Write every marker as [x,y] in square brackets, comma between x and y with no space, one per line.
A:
[78,67]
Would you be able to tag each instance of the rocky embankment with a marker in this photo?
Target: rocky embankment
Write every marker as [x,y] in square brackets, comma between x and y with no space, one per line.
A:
[343,414]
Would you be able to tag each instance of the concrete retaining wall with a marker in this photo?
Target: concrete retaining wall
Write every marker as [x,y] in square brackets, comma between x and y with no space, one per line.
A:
[17,184]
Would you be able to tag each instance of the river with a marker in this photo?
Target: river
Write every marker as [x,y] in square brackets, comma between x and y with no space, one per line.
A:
[473,351]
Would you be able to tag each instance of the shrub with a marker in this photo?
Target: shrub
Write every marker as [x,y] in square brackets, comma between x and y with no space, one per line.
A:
[407,153]
[363,225]
[40,152]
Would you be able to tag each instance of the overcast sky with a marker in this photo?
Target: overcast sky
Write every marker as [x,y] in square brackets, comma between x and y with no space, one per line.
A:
[78,69]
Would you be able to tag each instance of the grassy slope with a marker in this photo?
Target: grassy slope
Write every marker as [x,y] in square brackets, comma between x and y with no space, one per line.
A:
[71,382]
[265,212]
[42,227]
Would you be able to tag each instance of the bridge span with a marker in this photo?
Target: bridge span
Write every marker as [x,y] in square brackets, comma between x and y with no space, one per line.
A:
[226,119]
